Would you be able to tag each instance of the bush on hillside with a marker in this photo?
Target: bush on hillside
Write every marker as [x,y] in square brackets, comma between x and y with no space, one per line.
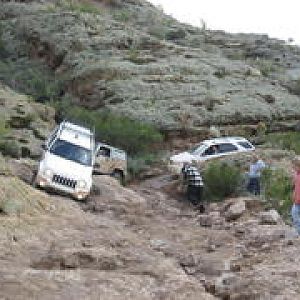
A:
[10,148]
[30,78]
[141,163]
[286,141]
[77,6]
[2,43]
[277,190]
[133,136]
[4,129]
[221,180]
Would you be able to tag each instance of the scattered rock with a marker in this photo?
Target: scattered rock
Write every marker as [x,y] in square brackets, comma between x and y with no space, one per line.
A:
[235,210]
[270,217]
[212,219]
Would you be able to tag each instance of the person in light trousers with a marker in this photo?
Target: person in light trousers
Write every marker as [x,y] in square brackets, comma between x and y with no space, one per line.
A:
[254,175]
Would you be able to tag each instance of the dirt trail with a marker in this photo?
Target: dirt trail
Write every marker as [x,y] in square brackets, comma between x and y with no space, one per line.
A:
[146,242]
[235,259]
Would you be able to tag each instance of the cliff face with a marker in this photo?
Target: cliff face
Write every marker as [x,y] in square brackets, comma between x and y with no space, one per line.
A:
[130,58]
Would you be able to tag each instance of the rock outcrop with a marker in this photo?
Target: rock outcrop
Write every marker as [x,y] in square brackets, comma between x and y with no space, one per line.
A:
[24,124]
[133,60]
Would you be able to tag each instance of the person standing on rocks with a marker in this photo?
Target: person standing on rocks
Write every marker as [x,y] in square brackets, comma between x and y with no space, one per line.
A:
[296,195]
[193,179]
[254,174]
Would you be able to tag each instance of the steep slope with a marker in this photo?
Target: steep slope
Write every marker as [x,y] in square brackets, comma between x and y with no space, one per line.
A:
[128,57]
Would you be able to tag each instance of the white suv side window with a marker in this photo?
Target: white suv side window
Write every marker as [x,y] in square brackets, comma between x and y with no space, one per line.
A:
[104,151]
[212,150]
[227,147]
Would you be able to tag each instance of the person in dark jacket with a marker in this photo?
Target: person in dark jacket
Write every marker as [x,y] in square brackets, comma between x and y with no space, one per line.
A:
[194,182]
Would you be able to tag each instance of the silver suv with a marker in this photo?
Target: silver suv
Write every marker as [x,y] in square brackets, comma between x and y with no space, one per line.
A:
[212,148]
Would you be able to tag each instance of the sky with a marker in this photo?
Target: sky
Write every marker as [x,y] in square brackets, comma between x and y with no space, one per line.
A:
[277,18]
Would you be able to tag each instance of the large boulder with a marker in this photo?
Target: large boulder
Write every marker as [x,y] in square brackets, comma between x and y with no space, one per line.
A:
[235,210]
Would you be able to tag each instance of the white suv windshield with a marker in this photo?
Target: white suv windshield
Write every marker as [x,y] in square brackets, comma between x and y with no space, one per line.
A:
[72,152]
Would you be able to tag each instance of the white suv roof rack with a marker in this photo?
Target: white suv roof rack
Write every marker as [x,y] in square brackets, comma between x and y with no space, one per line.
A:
[76,134]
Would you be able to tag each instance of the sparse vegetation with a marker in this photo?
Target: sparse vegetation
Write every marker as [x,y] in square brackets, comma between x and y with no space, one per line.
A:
[210,101]
[222,180]
[266,67]
[7,147]
[277,190]
[158,32]
[123,15]
[2,43]
[10,148]
[286,140]
[21,121]
[133,136]
[294,87]
[221,72]
[175,34]
[141,163]
[30,78]
[4,129]
[79,6]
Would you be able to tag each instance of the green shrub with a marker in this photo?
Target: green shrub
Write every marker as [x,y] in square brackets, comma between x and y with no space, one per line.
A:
[221,72]
[4,128]
[141,163]
[158,32]
[267,67]
[74,5]
[277,190]
[2,43]
[21,121]
[174,34]
[133,136]
[286,141]
[10,148]
[11,207]
[294,87]
[221,180]
[30,78]
[123,15]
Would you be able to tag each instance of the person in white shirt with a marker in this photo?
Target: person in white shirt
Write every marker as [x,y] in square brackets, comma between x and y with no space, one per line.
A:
[254,175]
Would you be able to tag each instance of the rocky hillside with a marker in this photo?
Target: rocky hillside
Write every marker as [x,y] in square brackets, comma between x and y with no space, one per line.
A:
[130,58]
[143,241]
[24,124]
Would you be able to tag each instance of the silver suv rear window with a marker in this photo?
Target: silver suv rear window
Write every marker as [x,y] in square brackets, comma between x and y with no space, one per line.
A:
[245,145]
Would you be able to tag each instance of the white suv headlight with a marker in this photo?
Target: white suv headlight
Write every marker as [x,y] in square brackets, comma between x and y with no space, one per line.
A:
[81,184]
[48,173]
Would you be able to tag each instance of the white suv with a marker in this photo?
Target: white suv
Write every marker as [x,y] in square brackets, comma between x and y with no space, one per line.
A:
[213,148]
[68,159]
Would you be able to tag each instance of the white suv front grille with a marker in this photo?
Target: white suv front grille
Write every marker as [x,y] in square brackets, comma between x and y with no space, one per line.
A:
[64,181]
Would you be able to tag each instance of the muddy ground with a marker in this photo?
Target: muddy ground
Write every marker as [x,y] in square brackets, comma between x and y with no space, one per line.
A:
[144,242]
